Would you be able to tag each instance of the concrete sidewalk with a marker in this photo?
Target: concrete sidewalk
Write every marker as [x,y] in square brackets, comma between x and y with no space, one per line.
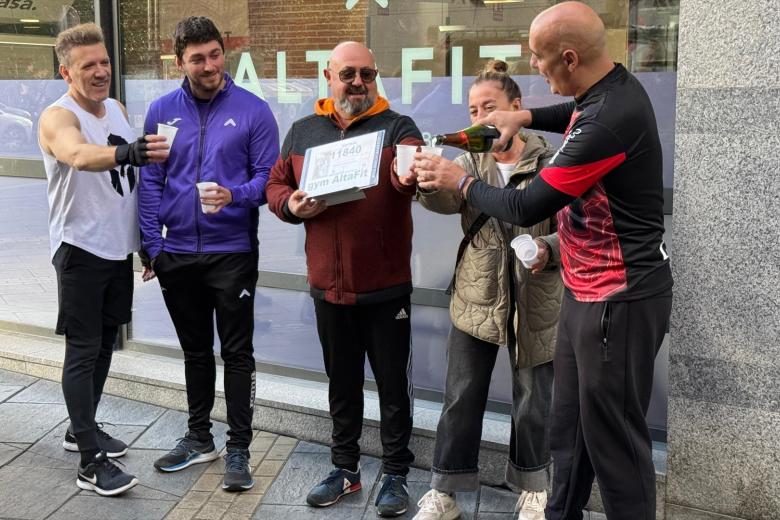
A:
[37,476]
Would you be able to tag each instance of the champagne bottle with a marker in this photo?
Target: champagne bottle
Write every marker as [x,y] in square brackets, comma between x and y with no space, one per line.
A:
[476,139]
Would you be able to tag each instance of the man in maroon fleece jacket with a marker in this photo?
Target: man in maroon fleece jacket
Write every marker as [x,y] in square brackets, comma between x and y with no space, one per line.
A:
[357,254]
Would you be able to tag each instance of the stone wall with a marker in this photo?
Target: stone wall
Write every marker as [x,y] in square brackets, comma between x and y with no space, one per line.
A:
[724,406]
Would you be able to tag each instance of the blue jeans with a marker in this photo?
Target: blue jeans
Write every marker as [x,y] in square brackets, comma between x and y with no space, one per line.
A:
[470,363]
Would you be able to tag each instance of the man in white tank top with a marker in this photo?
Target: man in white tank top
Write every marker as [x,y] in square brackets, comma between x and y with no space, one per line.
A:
[91,156]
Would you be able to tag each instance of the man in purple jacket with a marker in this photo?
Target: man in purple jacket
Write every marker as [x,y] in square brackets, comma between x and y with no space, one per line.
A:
[207,260]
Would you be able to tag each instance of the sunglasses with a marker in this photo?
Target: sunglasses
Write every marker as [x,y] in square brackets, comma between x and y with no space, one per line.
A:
[348,74]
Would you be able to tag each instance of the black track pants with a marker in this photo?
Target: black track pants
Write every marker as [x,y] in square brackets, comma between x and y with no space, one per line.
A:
[603,364]
[194,288]
[348,333]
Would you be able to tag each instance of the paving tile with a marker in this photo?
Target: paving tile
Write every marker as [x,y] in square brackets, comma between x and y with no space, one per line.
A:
[207,482]
[261,485]
[279,451]
[269,468]
[172,425]
[261,444]
[495,500]
[26,422]
[235,516]
[280,512]
[7,453]
[245,505]
[7,391]
[146,493]
[212,510]
[139,463]
[43,391]
[179,513]
[218,467]
[220,495]
[30,459]
[304,470]
[194,499]
[118,410]
[51,444]
[28,485]
[310,447]
[123,507]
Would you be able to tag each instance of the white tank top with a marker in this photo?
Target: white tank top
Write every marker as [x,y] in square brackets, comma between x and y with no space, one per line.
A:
[96,211]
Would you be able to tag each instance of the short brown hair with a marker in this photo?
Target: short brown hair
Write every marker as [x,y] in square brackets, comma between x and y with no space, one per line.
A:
[78,36]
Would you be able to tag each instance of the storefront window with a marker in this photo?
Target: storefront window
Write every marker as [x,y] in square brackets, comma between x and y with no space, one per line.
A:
[28,74]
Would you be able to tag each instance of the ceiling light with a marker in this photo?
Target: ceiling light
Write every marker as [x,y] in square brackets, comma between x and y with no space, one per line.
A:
[452,28]
[28,20]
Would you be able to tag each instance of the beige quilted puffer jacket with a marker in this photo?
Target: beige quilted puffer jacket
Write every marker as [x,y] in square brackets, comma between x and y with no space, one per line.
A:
[480,303]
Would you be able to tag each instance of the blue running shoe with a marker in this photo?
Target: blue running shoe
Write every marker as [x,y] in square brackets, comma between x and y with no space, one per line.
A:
[190,450]
[338,483]
[393,498]
[238,476]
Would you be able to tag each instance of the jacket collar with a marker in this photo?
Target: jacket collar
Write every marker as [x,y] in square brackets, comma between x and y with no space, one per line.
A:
[535,149]
[327,107]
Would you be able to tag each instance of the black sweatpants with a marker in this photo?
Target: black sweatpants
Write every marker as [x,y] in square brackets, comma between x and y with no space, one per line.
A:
[603,364]
[194,286]
[95,297]
[381,330]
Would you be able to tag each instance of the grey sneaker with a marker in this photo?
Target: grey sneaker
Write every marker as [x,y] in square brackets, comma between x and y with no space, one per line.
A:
[187,452]
[238,476]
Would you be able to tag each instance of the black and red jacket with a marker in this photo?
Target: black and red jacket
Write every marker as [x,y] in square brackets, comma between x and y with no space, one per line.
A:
[360,251]
[606,184]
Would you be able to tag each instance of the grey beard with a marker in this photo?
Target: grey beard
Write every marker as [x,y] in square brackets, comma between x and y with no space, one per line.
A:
[353,109]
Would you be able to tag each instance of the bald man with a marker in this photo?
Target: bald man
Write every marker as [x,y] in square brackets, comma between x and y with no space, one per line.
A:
[357,254]
[605,185]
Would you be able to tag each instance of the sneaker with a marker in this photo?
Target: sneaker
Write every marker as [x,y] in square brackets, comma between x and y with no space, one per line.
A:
[238,476]
[435,505]
[531,505]
[187,452]
[393,498]
[114,448]
[338,483]
[104,478]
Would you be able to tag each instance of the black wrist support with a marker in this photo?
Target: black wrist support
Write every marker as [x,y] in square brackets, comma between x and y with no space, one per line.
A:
[134,153]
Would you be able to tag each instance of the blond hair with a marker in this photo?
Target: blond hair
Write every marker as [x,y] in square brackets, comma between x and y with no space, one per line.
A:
[78,36]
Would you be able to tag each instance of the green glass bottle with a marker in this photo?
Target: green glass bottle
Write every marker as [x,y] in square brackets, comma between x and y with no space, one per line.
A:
[475,139]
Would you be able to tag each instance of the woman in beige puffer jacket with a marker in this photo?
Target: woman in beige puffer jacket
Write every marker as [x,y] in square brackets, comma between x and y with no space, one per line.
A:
[497,302]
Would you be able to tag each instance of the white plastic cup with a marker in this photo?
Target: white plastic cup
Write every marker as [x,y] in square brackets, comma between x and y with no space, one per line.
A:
[167,131]
[202,188]
[526,250]
[434,150]
[404,154]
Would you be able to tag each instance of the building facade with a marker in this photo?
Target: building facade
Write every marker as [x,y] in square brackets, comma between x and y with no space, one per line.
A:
[428,53]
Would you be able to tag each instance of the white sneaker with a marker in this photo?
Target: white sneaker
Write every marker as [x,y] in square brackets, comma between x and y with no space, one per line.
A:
[531,505]
[435,505]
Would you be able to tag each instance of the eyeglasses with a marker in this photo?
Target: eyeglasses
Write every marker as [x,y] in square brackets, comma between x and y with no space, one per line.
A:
[348,74]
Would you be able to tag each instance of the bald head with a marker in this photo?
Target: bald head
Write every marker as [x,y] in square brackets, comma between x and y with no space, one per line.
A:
[350,53]
[575,26]
[357,92]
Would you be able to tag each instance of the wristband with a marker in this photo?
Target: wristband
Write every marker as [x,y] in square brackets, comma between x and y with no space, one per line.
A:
[462,183]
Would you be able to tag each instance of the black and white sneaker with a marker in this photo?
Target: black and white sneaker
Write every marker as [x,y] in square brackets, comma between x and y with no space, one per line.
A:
[190,450]
[238,476]
[104,478]
[114,448]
